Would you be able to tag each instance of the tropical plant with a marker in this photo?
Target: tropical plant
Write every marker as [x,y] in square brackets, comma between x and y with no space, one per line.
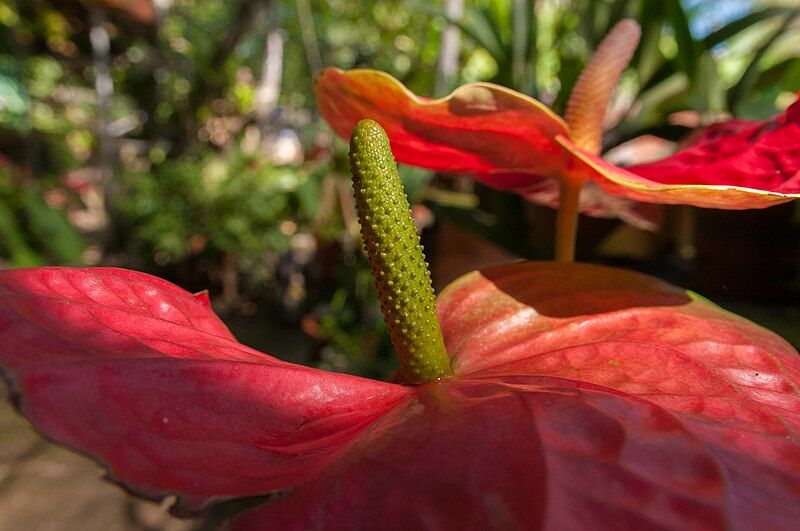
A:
[513,142]
[540,48]
[616,399]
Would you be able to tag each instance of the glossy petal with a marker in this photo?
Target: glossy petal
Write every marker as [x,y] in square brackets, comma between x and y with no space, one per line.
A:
[144,377]
[731,165]
[760,155]
[512,142]
[584,398]
[480,128]
[505,139]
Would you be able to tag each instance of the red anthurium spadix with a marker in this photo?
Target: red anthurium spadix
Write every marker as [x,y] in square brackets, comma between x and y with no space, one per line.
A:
[533,396]
[581,397]
[512,142]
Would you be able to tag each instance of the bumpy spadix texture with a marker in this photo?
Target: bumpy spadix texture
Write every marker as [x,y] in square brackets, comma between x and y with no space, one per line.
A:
[587,104]
[396,257]
[582,397]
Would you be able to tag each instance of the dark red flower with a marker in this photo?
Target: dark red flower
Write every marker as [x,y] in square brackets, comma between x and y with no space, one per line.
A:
[582,397]
[512,142]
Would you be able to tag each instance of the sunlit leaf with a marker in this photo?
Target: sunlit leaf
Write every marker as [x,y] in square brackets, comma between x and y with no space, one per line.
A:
[582,396]
[512,142]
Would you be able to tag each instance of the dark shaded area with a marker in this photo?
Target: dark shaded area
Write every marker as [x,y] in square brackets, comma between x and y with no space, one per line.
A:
[570,290]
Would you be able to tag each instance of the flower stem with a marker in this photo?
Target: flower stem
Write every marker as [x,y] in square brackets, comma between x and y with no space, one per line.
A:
[585,112]
[567,219]
[396,257]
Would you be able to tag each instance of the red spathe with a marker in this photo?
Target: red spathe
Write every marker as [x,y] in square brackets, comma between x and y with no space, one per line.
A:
[583,397]
[512,142]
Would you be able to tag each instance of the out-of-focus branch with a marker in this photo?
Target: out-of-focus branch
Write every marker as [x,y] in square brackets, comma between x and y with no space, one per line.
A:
[449,49]
[309,35]
[104,91]
[269,85]
[241,24]
[210,82]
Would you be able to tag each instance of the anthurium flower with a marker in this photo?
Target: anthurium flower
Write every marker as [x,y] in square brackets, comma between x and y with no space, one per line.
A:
[581,397]
[513,142]
[538,395]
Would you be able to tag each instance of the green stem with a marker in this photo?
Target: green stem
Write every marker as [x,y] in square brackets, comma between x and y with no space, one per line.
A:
[567,219]
[396,258]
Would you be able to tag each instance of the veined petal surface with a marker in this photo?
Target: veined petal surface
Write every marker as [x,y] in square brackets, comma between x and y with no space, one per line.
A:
[584,397]
[142,376]
[480,128]
[512,142]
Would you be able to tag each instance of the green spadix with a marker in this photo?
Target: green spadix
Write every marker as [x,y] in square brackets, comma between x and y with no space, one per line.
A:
[396,257]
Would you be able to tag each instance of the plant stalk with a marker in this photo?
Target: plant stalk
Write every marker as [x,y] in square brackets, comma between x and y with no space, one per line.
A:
[567,219]
[586,110]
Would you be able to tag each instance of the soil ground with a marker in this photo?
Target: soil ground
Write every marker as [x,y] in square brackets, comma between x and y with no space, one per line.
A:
[44,487]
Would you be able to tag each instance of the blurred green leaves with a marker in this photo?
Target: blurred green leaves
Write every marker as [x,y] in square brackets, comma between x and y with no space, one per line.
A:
[31,231]
[540,47]
[210,202]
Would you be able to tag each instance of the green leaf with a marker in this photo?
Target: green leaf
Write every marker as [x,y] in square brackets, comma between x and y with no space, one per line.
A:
[414,181]
[520,28]
[656,101]
[309,194]
[531,55]
[750,75]
[499,15]
[13,241]
[741,24]
[52,230]
[649,57]
[617,11]
[785,74]
[687,47]
[476,25]
[708,91]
